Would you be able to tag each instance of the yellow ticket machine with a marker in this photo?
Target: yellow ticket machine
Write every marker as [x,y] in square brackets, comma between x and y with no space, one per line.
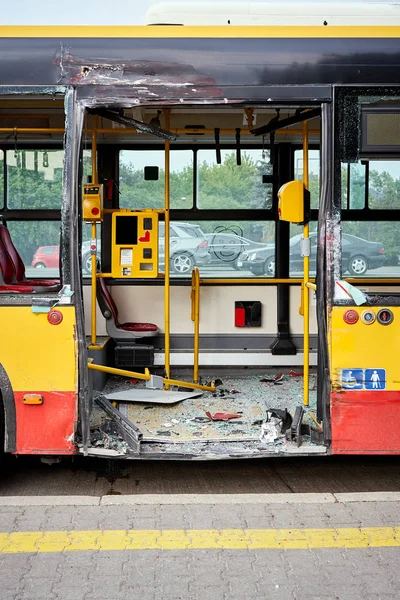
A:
[134,239]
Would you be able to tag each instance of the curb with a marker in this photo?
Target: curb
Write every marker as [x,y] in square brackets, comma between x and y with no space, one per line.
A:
[192,499]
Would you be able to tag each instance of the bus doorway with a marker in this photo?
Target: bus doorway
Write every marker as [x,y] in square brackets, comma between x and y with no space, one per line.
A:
[216,200]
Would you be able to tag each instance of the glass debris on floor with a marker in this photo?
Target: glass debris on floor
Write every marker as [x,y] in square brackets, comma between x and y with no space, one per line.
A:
[252,409]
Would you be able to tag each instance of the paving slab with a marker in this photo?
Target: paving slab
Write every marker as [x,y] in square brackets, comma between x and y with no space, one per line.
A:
[318,546]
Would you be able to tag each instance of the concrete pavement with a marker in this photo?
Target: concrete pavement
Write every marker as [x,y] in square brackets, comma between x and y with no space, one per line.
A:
[193,547]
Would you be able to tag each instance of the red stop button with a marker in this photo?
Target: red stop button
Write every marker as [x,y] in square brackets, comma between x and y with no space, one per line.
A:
[350,317]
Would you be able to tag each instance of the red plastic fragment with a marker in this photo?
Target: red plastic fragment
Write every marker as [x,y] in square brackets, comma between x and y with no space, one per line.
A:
[273,379]
[221,416]
[134,381]
[294,374]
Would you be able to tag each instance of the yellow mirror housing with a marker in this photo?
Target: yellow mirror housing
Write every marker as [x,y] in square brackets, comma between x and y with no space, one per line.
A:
[294,203]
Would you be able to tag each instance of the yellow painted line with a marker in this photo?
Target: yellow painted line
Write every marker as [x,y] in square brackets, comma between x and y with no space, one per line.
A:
[216,31]
[193,539]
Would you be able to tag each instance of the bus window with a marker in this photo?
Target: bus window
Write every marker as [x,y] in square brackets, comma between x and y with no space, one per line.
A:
[137,192]
[313,173]
[295,259]
[34,179]
[38,243]
[370,249]
[384,184]
[231,249]
[231,186]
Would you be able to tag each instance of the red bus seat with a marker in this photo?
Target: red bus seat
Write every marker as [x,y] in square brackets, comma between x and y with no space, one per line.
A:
[39,285]
[115,329]
[7,275]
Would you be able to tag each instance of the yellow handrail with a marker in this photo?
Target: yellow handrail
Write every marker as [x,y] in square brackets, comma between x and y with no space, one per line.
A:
[146,377]
[195,315]
[167,306]
[306,275]
[94,239]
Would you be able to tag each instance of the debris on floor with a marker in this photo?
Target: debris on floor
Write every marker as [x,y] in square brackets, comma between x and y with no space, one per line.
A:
[276,379]
[221,416]
[295,374]
[109,440]
[244,398]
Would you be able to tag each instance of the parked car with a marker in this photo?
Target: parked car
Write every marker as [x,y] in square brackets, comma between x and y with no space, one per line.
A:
[188,248]
[226,248]
[358,256]
[46,257]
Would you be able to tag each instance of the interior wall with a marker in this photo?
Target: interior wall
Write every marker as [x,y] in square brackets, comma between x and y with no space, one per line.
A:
[217,305]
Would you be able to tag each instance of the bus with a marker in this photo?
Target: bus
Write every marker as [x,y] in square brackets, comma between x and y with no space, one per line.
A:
[199,234]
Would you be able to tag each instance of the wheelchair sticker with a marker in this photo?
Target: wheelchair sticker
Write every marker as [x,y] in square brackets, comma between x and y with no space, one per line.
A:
[363,379]
[352,379]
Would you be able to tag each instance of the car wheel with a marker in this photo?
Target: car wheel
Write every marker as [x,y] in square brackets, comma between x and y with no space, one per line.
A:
[358,265]
[182,263]
[40,266]
[87,263]
[269,266]
[235,265]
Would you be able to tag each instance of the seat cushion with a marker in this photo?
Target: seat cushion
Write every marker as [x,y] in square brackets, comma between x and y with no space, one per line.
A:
[41,282]
[15,289]
[137,326]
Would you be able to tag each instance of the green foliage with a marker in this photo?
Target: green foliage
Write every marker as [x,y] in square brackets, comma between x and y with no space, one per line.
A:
[31,185]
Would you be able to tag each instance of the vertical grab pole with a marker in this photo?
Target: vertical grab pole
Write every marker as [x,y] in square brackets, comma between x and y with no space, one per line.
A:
[94,236]
[195,295]
[306,276]
[166,252]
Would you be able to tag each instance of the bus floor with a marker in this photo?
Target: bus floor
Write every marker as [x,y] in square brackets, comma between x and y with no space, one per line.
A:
[248,394]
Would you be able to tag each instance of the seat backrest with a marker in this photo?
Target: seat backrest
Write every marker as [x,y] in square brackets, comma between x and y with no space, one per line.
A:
[106,303]
[17,261]
[6,266]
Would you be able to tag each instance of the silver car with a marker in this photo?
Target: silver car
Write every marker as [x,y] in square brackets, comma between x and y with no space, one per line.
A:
[188,248]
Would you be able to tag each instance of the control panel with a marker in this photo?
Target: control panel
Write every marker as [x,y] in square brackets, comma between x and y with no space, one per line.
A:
[134,238]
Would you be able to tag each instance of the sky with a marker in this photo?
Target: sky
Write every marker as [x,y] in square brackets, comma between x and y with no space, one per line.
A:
[87,12]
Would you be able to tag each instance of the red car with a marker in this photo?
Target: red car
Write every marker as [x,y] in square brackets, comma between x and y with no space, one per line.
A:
[46,257]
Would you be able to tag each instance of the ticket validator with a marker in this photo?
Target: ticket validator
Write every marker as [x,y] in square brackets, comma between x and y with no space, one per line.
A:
[294,203]
[134,251]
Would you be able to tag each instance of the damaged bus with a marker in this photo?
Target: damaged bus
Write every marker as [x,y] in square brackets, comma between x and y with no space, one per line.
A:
[199,240]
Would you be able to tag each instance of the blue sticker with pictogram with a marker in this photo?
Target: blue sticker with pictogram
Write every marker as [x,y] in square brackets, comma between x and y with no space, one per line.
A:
[375,379]
[352,379]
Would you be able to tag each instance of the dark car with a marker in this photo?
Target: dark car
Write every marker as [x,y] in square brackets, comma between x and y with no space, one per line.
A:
[226,248]
[358,256]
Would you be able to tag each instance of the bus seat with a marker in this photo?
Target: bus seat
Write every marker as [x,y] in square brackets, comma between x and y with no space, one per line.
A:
[7,275]
[39,285]
[115,329]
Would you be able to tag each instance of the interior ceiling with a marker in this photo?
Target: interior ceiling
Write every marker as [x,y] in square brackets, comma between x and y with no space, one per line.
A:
[50,114]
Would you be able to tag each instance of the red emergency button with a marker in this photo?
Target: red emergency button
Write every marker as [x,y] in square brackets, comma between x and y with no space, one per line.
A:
[95,211]
[350,317]
[55,317]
